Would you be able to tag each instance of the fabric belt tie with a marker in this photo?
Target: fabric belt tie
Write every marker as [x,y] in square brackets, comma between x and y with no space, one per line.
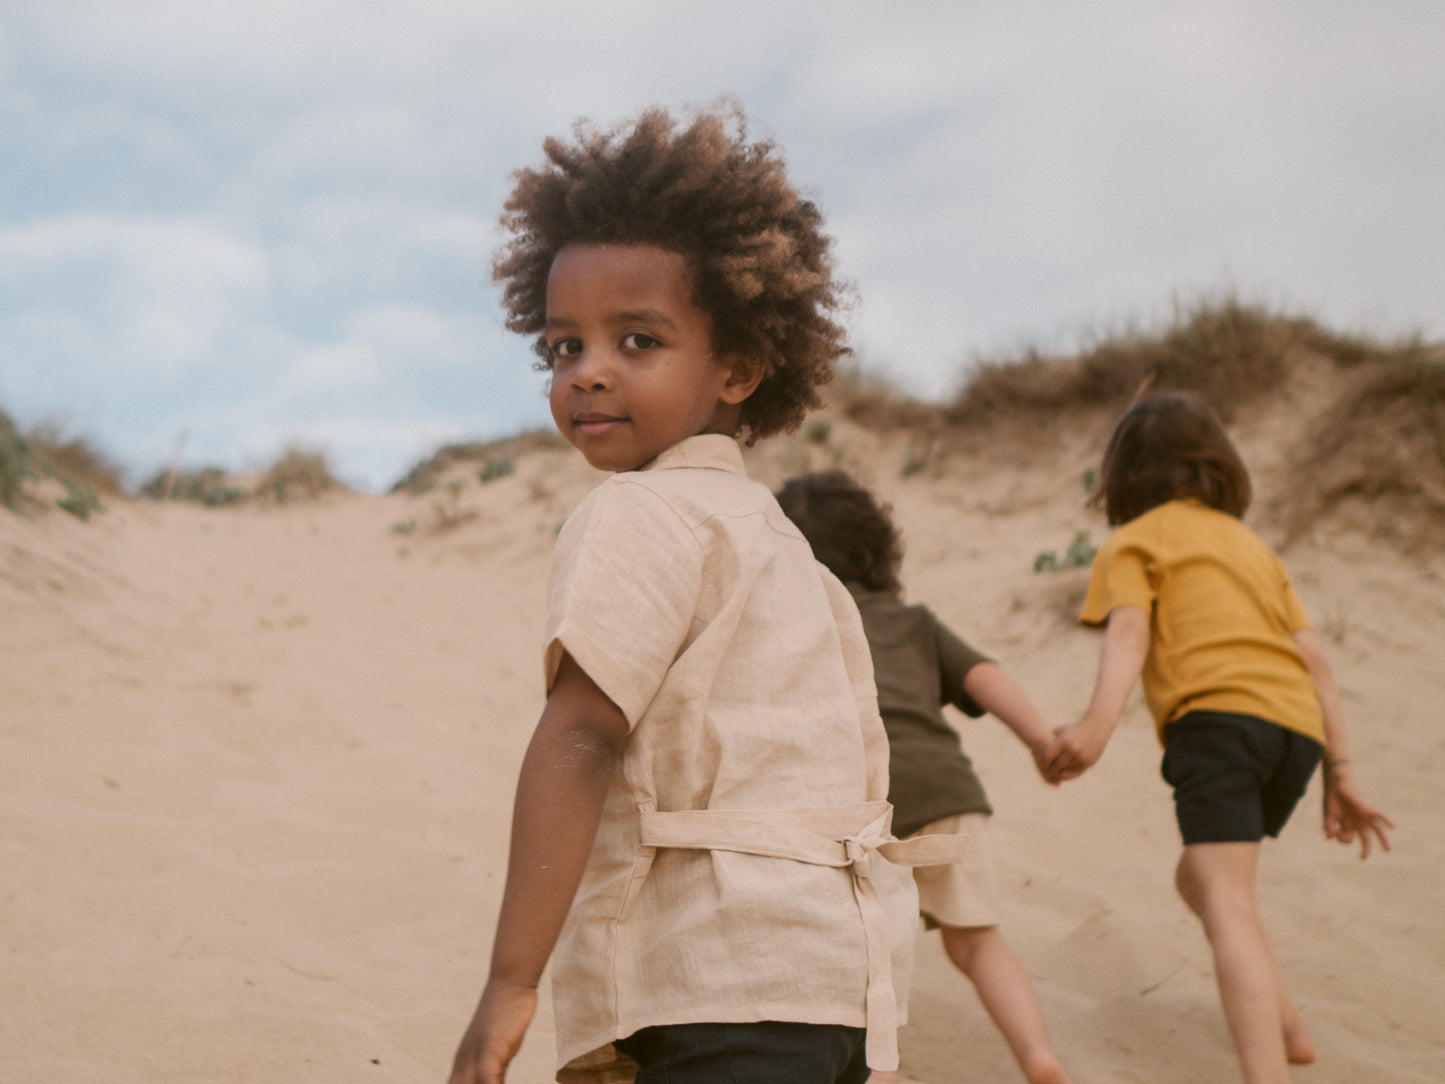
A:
[839,836]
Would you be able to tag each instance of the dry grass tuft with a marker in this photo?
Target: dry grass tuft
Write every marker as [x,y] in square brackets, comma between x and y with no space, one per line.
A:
[300,473]
[489,456]
[1229,352]
[76,459]
[1374,459]
[29,460]
[1379,449]
[871,402]
[210,486]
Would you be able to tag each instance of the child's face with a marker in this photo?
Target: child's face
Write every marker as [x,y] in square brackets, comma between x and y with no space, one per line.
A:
[633,371]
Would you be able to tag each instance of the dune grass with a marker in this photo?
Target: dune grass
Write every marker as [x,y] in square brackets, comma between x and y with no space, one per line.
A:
[210,486]
[1230,352]
[79,470]
[491,459]
[1381,443]
[298,473]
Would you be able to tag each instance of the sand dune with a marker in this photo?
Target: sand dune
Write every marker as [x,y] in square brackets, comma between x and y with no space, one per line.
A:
[256,768]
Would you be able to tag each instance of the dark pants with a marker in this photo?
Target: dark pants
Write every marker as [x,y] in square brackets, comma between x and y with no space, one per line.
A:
[770,1052]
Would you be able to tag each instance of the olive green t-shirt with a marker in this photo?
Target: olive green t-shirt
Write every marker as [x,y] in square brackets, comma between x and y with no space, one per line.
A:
[919,665]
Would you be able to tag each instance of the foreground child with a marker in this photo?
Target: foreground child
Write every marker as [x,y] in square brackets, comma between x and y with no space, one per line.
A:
[919,666]
[1243,697]
[701,821]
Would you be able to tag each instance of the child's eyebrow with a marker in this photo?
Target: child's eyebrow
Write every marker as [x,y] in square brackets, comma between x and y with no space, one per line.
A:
[647,316]
[630,316]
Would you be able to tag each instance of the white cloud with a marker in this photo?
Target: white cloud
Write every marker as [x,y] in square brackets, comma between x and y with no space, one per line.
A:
[329,370]
[154,292]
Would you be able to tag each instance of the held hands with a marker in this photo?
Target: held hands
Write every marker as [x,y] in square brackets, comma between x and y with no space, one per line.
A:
[1073,751]
[1040,752]
[495,1033]
[1348,816]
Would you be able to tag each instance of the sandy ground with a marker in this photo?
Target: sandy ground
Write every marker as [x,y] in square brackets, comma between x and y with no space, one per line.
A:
[256,768]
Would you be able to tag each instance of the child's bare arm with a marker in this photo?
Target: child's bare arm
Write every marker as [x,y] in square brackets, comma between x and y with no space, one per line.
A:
[560,794]
[994,691]
[1347,815]
[1121,660]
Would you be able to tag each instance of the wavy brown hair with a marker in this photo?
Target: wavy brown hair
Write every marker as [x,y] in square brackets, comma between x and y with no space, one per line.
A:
[1167,446]
[760,262]
[850,532]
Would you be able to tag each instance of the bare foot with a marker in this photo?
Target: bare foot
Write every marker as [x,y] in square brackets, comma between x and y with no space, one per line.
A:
[1044,1068]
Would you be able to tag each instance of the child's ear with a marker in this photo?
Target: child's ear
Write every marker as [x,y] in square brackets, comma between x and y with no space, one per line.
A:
[744,376]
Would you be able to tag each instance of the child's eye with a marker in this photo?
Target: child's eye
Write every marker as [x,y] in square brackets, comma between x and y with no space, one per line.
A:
[636,340]
[563,348]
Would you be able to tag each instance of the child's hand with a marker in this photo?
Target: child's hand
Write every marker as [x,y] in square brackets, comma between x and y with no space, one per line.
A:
[1074,750]
[495,1033]
[1040,753]
[1347,815]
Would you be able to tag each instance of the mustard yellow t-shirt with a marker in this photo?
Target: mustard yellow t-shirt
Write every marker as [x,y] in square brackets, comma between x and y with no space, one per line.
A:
[1222,611]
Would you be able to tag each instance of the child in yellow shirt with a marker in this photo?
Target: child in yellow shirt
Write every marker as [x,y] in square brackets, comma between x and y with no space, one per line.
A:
[1243,697]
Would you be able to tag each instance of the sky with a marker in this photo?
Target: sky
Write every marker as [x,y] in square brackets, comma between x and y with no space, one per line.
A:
[230,227]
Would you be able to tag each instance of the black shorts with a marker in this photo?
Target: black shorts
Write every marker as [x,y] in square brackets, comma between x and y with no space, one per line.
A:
[769,1052]
[1236,778]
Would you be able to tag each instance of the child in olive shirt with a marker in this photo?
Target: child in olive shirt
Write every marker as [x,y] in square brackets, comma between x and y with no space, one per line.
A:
[920,665]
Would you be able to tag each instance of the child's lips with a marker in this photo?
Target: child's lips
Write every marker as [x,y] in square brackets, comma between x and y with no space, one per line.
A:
[592,423]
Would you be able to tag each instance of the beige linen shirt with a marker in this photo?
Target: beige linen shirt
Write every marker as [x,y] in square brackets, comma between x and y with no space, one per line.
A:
[740,871]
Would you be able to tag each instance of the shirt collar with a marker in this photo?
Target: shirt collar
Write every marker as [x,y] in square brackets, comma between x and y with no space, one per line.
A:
[707,451]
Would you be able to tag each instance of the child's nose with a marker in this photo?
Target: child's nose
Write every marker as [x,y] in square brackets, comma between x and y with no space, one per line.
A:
[592,371]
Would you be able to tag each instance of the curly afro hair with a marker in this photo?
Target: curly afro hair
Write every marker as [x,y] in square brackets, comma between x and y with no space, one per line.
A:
[759,260]
[851,533]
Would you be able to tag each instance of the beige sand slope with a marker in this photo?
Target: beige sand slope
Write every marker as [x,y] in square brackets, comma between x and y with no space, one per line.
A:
[256,768]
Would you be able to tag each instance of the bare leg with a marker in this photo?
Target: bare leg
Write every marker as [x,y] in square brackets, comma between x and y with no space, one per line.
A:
[1217,881]
[1299,1046]
[1003,986]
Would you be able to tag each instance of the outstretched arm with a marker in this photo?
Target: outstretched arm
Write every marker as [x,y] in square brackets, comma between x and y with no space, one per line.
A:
[1347,815]
[994,691]
[560,794]
[1121,660]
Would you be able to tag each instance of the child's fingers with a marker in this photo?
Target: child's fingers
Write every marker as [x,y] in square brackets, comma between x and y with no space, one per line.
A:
[1364,845]
[1338,828]
[1058,756]
[1376,826]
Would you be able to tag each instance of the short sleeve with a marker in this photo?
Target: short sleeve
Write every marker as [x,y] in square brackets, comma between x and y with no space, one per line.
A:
[955,659]
[626,576]
[1120,577]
